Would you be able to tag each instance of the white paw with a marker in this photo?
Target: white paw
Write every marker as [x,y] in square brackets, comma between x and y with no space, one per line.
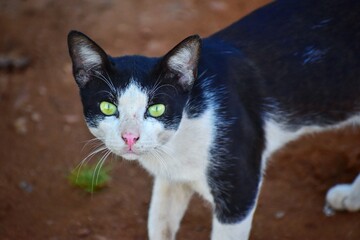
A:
[340,197]
[336,196]
[352,204]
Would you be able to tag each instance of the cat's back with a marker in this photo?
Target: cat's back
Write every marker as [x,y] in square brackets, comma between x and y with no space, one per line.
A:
[306,53]
[297,35]
[288,24]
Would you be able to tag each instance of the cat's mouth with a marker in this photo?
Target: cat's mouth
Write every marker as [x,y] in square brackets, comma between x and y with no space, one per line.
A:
[130,156]
[125,152]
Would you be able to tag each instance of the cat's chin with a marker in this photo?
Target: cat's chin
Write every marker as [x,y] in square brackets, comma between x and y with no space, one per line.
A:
[130,156]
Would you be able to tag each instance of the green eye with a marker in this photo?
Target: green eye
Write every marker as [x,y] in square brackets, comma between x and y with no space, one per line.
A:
[156,110]
[108,108]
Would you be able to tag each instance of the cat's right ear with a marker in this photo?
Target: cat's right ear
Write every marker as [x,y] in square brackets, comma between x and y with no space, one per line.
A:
[87,57]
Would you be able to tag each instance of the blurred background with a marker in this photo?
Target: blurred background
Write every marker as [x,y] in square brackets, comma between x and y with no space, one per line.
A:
[43,136]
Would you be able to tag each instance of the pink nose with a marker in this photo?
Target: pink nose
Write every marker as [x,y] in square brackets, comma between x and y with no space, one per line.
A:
[130,138]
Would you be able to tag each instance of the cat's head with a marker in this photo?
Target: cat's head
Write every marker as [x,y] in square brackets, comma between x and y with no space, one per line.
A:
[133,104]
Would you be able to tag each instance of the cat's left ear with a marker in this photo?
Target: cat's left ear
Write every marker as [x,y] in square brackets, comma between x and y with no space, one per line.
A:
[183,60]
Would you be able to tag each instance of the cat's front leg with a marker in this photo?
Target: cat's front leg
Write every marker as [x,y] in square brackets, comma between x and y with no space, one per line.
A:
[168,204]
[232,231]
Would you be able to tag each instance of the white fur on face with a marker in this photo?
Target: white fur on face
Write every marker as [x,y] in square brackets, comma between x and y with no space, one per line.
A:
[180,155]
[132,105]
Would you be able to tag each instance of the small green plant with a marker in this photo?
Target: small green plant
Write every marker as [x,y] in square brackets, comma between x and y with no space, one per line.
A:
[90,178]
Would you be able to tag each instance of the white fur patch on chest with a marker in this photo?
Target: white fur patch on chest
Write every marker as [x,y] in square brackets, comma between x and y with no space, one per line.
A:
[187,152]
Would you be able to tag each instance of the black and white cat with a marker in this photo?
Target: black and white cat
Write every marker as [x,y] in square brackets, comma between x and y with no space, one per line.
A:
[206,116]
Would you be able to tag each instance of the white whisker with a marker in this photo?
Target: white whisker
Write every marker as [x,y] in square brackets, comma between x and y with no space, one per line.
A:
[159,158]
[88,158]
[93,141]
[99,165]
[106,80]
[153,92]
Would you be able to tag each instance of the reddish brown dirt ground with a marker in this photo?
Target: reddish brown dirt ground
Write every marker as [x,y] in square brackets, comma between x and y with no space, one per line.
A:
[42,132]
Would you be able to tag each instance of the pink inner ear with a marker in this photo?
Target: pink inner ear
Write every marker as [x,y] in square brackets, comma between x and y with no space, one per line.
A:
[184,62]
[89,57]
[186,78]
[183,59]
